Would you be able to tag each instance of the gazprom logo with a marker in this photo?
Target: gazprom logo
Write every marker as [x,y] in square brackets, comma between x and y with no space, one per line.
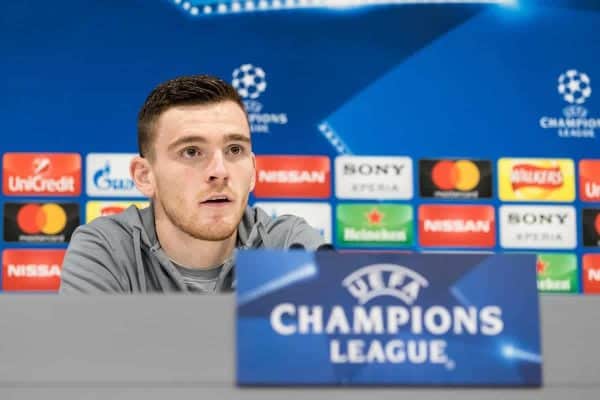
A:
[377,280]
[108,175]
[104,181]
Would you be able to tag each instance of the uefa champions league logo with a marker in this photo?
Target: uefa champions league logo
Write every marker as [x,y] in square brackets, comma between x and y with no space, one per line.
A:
[249,81]
[574,86]
[377,280]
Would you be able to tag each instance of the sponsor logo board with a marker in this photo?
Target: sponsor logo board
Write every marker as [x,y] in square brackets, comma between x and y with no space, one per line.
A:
[374,224]
[40,222]
[358,177]
[41,174]
[455,179]
[31,270]
[457,226]
[293,177]
[95,209]
[107,175]
[317,215]
[536,179]
[538,227]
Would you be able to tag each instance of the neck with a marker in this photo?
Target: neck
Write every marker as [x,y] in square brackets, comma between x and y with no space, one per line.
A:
[189,251]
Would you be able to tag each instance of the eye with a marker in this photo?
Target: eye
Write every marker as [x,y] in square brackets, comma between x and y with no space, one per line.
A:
[190,152]
[236,149]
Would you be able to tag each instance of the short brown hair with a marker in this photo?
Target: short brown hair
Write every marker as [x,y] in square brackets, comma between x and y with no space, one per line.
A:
[185,90]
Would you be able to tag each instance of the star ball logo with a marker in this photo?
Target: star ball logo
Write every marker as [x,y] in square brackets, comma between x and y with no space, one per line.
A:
[250,81]
[575,88]
[536,179]
[374,224]
[455,179]
[40,222]
[364,335]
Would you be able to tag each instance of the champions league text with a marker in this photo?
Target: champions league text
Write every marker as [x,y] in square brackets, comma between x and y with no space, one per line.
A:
[290,319]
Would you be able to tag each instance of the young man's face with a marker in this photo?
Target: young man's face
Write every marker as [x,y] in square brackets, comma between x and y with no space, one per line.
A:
[203,168]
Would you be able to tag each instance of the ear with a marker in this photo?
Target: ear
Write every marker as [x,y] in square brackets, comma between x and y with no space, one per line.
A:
[253,180]
[142,175]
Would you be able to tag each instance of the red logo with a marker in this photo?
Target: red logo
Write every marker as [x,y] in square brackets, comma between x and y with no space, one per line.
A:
[457,226]
[31,270]
[591,273]
[293,176]
[528,175]
[589,180]
[111,210]
[41,174]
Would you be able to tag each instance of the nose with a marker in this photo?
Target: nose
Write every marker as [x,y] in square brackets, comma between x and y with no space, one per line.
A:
[217,170]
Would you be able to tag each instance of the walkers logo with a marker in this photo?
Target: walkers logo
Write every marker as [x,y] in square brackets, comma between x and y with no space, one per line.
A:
[317,215]
[41,174]
[557,273]
[374,225]
[455,179]
[250,81]
[457,226]
[31,270]
[575,88]
[589,180]
[40,222]
[538,227]
[95,209]
[591,273]
[108,175]
[591,227]
[293,176]
[536,179]
[358,177]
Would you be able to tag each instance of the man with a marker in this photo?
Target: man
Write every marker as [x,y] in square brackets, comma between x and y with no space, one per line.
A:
[197,167]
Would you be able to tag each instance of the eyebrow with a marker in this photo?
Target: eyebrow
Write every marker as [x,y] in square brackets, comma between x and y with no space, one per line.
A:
[232,137]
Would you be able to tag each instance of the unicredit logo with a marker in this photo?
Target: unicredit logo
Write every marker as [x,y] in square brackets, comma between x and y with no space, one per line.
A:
[293,176]
[44,174]
[377,280]
[524,175]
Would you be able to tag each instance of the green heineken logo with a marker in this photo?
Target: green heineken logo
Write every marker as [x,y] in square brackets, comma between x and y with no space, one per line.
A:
[374,224]
[557,273]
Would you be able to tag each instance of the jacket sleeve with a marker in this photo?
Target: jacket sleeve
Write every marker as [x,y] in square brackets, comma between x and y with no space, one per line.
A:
[89,266]
[295,230]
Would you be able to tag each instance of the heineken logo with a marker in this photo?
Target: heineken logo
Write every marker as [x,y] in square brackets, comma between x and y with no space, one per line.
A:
[374,224]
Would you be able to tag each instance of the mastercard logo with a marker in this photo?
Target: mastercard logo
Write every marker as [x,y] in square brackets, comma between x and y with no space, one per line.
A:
[48,219]
[460,175]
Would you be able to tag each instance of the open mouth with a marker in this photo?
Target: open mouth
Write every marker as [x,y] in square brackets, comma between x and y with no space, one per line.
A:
[216,200]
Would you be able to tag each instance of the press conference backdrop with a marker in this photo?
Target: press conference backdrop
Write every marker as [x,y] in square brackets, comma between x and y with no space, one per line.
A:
[390,125]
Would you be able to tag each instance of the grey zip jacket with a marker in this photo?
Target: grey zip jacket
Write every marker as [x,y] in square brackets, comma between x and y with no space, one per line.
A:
[121,253]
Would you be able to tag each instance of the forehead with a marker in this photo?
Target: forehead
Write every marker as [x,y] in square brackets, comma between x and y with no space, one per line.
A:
[209,121]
